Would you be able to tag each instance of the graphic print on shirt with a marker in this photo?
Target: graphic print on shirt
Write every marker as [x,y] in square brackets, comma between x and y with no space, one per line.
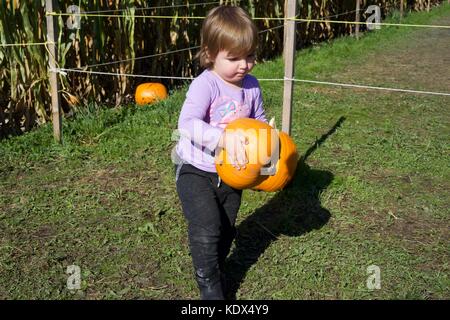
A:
[225,109]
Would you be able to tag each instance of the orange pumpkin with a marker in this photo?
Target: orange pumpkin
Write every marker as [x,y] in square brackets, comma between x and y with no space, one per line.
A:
[262,140]
[285,167]
[147,93]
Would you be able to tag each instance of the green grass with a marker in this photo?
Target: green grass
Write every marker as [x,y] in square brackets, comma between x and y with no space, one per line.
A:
[372,189]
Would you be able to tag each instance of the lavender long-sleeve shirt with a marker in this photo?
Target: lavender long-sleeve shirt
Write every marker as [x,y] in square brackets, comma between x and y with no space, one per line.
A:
[210,105]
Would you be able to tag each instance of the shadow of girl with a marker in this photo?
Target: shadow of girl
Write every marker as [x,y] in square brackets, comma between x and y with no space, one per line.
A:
[294,211]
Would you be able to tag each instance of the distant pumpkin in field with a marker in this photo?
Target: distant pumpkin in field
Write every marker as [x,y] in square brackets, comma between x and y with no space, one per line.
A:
[150,92]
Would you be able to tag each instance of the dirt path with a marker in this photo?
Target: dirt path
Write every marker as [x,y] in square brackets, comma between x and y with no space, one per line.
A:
[420,61]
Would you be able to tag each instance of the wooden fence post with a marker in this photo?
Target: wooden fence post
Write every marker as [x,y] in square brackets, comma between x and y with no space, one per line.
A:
[401,9]
[357,18]
[53,75]
[289,62]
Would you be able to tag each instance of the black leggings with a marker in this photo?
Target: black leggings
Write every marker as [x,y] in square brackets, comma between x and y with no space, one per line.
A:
[210,208]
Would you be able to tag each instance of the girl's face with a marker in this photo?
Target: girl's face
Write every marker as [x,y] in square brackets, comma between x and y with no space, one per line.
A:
[233,69]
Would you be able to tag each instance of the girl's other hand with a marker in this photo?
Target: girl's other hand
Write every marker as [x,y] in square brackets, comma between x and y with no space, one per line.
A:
[272,123]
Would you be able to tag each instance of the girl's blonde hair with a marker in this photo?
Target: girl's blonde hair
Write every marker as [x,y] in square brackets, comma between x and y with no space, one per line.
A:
[227,28]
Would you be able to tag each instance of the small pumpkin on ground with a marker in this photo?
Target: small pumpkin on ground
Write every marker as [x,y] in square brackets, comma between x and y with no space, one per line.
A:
[150,92]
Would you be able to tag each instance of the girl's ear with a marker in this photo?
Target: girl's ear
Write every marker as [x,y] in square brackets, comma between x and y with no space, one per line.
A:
[208,55]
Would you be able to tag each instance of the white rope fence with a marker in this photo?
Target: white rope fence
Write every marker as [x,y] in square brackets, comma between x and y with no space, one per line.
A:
[191,48]
[187,5]
[64,72]
[350,85]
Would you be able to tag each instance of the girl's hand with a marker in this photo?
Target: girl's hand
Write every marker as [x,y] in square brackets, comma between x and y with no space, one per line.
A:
[272,123]
[234,143]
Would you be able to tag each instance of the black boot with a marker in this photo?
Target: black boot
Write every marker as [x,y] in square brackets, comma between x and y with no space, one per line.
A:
[209,283]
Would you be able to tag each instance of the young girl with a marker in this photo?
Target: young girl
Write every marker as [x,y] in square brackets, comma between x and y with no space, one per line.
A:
[223,92]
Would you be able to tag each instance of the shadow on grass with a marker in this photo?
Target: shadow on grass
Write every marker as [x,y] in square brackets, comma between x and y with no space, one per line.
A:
[294,211]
